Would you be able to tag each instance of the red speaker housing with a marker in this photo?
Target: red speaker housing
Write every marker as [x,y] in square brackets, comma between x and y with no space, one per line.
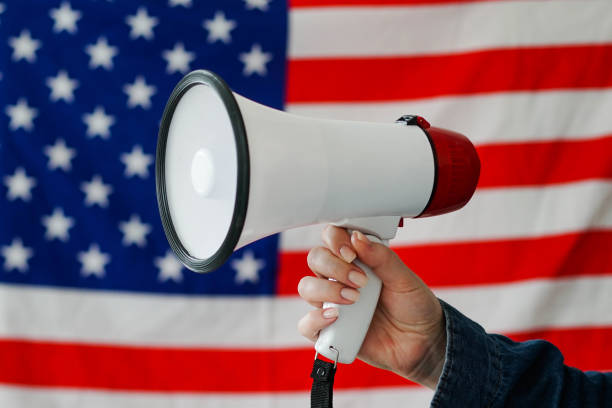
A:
[457,170]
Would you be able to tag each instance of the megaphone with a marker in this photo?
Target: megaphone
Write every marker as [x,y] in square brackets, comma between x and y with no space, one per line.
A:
[230,171]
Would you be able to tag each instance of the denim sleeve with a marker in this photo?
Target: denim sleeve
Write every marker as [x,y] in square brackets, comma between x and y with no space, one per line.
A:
[488,370]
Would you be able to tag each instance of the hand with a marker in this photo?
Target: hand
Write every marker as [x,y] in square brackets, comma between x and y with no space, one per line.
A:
[407,334]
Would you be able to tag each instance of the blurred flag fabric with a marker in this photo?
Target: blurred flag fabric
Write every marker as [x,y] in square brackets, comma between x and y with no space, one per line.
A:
[94,308]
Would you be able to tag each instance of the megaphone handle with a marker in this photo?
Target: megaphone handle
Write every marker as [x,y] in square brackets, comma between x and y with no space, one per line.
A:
[342,340]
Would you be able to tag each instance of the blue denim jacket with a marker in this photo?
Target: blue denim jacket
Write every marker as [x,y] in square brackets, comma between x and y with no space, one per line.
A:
[489,370]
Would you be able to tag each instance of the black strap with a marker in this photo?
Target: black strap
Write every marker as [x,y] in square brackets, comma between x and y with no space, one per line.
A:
[321,394]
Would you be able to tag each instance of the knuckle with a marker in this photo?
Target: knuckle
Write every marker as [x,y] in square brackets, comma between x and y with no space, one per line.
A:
[307,326]
[385,256]
[313,255]
[303,285]
[301,325]
[331,235]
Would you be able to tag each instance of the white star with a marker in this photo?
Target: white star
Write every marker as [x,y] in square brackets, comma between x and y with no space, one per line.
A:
[169,268]
[178,59]
[184,3]
[22,115]
[2,8]
[16,256]
[93,261]
[255,60]
[98,123]
[139,93]
[57,225]
[65,18]
[142,24]
[257,4]
[96,192]
[62,87]
[101,54]
[60,155]
[136,162]
[19,185]
[219,28]
[134,231]
[247,268]
[24,46]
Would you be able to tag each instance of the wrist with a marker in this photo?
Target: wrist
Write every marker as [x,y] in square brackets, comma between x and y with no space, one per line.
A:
[436,362]
[429,368]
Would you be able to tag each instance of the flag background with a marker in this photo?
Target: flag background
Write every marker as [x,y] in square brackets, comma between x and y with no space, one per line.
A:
[530,256]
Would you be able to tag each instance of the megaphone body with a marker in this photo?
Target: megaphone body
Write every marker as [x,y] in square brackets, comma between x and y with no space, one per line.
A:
[230,171]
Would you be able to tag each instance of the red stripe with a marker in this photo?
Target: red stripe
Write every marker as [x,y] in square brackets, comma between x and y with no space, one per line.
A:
[167,369]
[52,364]
[486,262]
[371,3]
[536,163]
[403,78]
[586,348]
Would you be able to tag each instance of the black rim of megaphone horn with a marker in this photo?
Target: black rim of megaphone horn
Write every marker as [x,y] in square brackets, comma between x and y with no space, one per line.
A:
[208,78]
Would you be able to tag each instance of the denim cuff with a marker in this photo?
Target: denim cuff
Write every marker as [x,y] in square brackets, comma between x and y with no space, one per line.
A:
[472,371]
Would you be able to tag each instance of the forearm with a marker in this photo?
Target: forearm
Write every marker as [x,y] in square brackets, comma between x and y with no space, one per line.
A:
[483,370]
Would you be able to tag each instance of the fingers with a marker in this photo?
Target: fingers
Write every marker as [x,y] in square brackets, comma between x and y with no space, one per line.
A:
[347,246]
[315,321]
[395,275]
[383,261]
[376,256]
[325,264]
[339,241]
[316,291]
[373,254]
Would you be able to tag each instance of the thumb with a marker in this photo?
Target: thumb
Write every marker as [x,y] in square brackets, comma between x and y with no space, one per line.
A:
[385,264]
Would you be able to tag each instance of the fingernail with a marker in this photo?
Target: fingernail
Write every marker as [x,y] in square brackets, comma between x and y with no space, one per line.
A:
[359,235]
[348,254]
[358,278]
[350,294]
[330,312]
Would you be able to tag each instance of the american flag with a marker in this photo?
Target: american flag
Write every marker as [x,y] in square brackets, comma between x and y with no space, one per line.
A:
[96,310]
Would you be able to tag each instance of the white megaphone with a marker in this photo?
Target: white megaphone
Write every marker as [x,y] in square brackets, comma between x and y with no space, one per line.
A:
[230,171]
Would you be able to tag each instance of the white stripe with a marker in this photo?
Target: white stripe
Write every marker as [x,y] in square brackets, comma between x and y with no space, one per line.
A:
[25,397]
[517,213]
[522,306]
[229,322]
[129,318]
[497,214]
[500,117]
[405,30]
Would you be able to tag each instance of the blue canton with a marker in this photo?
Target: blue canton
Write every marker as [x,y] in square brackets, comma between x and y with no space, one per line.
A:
[82,89]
